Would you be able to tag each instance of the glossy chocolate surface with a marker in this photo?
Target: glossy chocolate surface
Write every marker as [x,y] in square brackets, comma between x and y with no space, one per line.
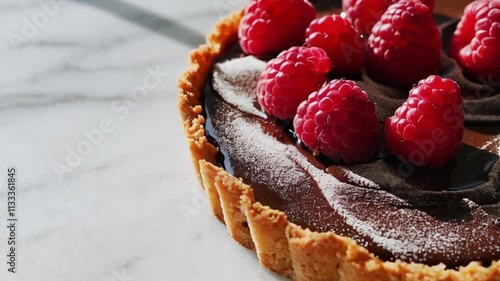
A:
[449,215]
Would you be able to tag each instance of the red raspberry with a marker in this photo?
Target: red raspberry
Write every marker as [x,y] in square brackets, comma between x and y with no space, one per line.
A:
[343,44]
[405,45]
[476,42]
[340,122]
[290,78]
[365,13]
[427,129]
[271,26]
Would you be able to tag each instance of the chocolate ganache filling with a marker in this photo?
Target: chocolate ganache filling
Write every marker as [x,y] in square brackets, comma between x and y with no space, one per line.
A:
[449,215]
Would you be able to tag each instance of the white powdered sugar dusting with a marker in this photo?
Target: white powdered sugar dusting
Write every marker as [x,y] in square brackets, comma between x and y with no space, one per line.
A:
[448,239]
[493,145]
[359,180]
[236,81]
[280,158]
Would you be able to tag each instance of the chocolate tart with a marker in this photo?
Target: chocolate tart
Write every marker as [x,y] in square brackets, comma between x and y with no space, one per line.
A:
[329,222]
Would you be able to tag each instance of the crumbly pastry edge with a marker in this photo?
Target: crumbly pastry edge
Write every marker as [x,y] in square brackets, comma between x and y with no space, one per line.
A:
[281,246]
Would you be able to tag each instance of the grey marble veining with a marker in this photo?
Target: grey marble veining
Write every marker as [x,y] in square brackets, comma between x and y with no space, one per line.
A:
[106,191]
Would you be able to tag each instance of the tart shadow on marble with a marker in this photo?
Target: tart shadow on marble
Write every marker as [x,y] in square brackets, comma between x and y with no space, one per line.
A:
[149,20]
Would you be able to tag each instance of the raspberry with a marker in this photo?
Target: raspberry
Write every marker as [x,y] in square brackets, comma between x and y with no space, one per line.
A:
[476,41]
[405,45]
[365,13]
[340,122]
[271,26]
[343,44]
[290,78]
[427,129]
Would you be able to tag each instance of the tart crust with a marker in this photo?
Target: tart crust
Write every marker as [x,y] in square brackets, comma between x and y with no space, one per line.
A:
[281,246]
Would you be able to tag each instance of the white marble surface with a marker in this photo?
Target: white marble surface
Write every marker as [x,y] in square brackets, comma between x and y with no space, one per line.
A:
[114,212]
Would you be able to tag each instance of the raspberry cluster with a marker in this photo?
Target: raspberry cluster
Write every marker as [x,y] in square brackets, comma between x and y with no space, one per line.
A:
[398,44]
